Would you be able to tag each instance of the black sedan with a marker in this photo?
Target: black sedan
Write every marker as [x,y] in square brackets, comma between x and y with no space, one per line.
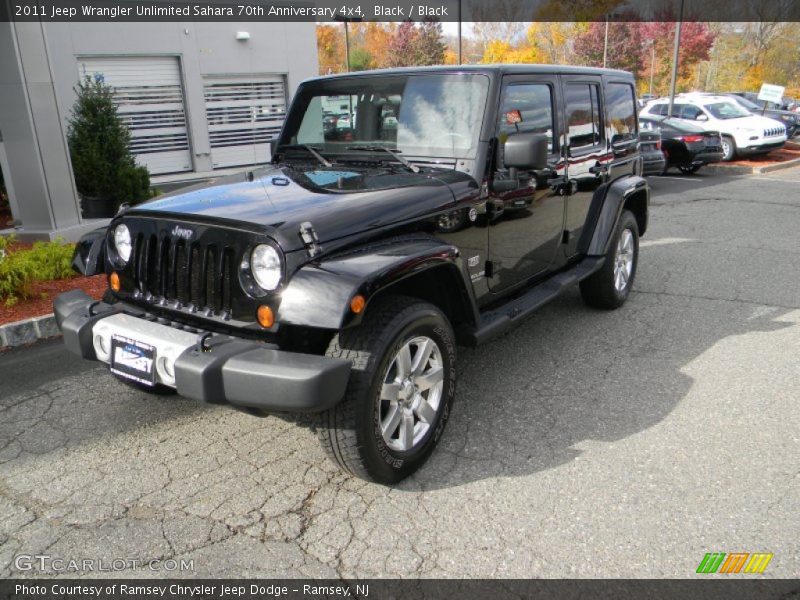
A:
[685,145]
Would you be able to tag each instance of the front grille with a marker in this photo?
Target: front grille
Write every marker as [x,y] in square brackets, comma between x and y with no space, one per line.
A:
[193,275]
[774,131]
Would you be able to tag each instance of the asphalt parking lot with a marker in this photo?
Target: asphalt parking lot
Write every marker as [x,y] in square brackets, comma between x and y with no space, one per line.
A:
[583,444]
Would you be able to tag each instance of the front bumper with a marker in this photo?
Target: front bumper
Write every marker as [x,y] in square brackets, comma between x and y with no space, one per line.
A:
[204,366]
[761,148]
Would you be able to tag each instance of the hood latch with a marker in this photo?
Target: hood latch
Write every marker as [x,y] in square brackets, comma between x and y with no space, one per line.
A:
[310,239]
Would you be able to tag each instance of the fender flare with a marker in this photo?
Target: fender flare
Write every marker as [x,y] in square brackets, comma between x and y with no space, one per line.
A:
[318,294]
[90,251]
[607,205]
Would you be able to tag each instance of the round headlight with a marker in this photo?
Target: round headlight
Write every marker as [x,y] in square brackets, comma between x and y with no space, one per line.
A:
[265,264]
[122,242]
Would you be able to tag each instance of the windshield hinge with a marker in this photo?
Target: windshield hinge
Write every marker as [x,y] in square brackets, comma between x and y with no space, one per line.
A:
[310,239]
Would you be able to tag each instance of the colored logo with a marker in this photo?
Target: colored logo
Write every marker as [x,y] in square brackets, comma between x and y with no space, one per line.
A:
[735,562]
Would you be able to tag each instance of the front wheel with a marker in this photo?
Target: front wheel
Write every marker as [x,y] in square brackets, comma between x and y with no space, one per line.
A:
[400,392]
[728,148]
[610,286]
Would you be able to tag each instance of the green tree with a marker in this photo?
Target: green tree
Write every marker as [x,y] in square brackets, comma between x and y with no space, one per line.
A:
[360,59]
[429,44]
[99,146]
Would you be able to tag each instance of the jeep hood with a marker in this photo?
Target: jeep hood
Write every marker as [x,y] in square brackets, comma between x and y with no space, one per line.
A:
[339,201]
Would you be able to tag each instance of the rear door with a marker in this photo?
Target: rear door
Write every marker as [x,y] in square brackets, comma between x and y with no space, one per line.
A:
[622,128]
[587,152]
[527,221]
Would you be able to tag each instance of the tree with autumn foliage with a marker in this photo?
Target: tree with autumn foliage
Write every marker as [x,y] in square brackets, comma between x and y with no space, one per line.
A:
[330,49]
[429,46]
[624,46]
[697,40]
[376,41]
[400,51]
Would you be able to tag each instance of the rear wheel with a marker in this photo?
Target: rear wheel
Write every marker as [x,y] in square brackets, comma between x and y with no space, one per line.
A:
[400,392]
[610,286]
[728,148]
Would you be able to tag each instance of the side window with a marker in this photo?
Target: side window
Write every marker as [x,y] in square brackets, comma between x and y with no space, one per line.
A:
[689,112]
[583,115]
[528,108]
[621,110]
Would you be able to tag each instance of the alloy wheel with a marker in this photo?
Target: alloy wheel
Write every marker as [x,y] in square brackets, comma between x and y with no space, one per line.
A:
[411,393]
[623,261]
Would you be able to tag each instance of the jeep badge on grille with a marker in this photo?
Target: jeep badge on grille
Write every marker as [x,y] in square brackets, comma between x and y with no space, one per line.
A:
[180,232]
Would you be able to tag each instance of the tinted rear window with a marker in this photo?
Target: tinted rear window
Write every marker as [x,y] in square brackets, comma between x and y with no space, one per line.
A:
[621,109]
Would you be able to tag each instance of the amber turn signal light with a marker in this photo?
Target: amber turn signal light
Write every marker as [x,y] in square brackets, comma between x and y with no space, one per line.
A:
[266,318]
[113,281]
[358,303]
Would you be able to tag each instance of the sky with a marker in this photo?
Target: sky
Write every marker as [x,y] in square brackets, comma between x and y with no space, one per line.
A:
[450,28]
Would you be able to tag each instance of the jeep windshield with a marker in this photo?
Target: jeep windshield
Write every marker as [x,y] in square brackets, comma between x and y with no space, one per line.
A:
[419,115]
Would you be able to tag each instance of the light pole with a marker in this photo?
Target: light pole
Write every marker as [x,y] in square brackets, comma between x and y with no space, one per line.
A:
[605,45]
[346,46]
[675,61]
[347,20]
[459,31]
[652,63]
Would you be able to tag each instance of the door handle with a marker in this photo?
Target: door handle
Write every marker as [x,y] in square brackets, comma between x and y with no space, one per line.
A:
[599,169]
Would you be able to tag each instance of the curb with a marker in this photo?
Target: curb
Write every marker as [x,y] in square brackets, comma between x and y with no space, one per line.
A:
[719,169]
[28,331]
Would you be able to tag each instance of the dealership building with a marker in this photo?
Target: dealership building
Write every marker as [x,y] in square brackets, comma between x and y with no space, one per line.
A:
[200,99]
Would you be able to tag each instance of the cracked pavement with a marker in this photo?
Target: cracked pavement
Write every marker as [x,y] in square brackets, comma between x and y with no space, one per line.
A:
[582,444]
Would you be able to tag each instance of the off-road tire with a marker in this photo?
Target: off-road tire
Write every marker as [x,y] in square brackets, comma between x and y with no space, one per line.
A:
[598,290]
[350,431]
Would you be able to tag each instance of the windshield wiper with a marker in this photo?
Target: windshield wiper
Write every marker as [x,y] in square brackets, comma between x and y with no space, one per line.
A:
[311,150]
[394,153]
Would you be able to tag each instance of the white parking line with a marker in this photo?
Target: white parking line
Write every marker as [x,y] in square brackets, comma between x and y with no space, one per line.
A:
[664,241]
[776,179]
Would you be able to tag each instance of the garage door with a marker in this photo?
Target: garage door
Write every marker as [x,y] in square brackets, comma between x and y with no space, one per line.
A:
[149,97]
[243,113]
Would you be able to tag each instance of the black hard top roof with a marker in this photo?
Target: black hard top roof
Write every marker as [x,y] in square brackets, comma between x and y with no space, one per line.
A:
[526,69]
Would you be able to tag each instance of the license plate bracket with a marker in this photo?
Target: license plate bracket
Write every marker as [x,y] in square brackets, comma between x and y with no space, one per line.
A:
[133,360]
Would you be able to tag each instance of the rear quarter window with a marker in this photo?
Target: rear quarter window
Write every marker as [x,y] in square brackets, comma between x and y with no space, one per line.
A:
[621,109]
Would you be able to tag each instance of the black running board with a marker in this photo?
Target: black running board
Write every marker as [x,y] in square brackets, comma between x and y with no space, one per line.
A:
[499,320]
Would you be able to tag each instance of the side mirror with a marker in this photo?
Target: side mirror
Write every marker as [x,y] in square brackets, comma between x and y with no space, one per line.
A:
[701,117]
[527,151]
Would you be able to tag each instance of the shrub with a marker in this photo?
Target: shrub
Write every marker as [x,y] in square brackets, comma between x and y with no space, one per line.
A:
[19,267]
[99,146]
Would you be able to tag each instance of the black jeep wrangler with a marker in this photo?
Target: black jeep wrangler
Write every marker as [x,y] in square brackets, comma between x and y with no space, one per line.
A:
[450,204]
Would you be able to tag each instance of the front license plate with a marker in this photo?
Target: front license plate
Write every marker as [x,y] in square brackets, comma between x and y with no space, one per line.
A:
[133,360]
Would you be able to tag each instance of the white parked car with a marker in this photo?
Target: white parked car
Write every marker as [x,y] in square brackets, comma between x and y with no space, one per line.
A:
[742,132]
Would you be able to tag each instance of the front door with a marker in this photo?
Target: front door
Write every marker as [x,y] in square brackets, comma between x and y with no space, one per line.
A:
[526,210]
[587,151]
